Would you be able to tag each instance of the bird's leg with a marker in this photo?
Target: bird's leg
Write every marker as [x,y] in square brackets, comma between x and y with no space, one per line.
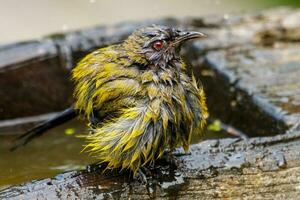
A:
[142,174]
[170,158]
[141,177]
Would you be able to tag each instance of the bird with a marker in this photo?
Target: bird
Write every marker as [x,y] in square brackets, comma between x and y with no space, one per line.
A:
[139,98]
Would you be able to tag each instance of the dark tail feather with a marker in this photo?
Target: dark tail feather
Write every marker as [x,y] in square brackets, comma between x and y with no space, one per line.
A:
[39,130]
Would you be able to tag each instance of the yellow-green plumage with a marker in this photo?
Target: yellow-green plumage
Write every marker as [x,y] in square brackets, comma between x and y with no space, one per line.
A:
[144,108]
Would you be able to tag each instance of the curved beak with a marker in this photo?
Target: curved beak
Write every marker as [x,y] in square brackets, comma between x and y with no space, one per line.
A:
[188,35]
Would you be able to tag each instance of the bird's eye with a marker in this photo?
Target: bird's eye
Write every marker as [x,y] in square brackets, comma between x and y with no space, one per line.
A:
[158,45]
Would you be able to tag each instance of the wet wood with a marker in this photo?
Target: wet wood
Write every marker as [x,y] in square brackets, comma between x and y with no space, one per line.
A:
[33,80]
[256,82]
[261,168]
[249,67]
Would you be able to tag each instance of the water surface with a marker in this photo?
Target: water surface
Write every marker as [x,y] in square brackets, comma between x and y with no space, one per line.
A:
[55,152]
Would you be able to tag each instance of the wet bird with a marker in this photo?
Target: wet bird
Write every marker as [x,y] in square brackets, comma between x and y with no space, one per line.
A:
[139,98]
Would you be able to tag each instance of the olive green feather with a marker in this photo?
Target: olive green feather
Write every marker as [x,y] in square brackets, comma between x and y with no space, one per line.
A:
[144,107]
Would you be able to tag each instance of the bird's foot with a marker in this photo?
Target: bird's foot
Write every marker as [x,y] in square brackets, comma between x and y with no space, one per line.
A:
[142,175]
[171,159]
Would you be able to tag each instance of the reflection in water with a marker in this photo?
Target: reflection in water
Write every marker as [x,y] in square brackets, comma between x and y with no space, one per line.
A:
[46,156]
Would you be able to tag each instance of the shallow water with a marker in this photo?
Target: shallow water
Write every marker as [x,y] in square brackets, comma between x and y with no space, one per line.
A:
[55,152]
[46,156]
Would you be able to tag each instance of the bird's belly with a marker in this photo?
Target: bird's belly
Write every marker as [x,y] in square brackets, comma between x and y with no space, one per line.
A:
[161,117]
[175,112]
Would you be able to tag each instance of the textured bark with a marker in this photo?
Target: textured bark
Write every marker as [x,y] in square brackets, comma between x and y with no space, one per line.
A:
[261,168]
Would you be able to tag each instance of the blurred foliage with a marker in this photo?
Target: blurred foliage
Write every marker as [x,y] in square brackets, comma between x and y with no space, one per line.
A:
[273,3]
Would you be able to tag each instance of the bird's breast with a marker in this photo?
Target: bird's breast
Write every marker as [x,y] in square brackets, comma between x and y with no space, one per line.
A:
[167,94]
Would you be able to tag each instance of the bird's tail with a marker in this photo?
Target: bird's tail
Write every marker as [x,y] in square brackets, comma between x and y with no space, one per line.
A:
[41,128]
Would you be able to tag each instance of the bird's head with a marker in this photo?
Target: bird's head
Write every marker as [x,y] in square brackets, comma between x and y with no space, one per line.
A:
[157,45]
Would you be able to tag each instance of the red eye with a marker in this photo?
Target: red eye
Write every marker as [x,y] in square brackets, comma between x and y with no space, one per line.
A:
[158,45]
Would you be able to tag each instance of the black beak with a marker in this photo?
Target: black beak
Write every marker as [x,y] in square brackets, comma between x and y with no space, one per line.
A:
[185,36]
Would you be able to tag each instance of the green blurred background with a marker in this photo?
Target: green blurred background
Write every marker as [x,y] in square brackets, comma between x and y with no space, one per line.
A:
[27,19]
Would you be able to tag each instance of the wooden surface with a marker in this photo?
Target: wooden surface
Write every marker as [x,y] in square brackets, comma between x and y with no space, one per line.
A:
[261,168]
[249,66]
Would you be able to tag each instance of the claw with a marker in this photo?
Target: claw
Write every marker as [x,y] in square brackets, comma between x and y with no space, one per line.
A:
[171,159]
[141,176]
